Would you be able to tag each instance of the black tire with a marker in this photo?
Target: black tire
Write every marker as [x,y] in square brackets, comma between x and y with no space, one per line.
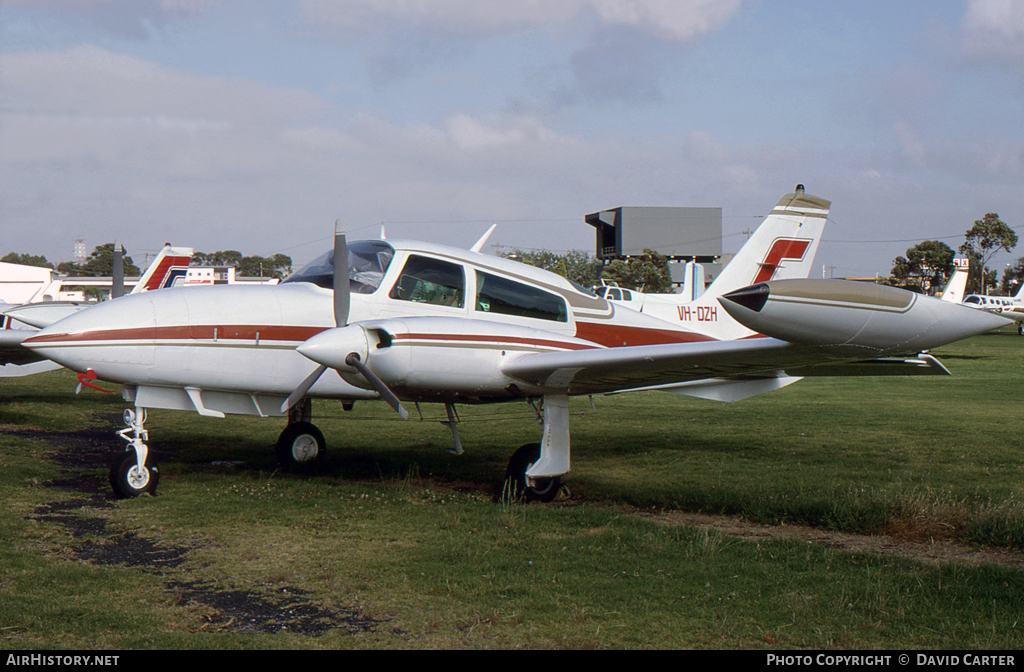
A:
[519,488]
[126,479]
[300,445]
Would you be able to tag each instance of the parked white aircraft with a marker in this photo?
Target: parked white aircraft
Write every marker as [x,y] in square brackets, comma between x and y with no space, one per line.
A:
[1007,306]
[417,322]
[18,322]
[782,247]
[1011,307]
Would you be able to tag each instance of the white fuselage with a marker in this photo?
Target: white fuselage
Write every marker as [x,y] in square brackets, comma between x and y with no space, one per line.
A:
[1011,307]
[235,346]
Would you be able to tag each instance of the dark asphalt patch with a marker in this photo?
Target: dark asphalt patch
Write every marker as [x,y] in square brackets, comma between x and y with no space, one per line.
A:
[79,454]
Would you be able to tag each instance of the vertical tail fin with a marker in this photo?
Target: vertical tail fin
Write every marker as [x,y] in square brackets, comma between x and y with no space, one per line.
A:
[782,247]
[957,285]
[693,282]
[171,263]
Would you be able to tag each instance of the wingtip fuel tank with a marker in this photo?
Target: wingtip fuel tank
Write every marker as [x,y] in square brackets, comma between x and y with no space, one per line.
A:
[842,314]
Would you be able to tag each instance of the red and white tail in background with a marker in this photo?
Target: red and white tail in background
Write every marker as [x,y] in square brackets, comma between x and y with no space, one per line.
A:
[782,247]
[170,264]
[957,285]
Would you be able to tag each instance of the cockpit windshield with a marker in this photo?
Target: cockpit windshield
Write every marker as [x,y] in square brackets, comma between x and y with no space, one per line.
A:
[368,261]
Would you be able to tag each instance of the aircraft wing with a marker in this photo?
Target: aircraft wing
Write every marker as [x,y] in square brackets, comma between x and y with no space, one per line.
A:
[667,366]
[20,370]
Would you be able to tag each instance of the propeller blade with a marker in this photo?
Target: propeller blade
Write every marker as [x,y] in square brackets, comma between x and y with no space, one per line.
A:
[378,384]
[341,285]
[117,274]
[302,389]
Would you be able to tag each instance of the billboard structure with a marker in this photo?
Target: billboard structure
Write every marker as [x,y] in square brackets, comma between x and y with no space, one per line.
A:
[681,234]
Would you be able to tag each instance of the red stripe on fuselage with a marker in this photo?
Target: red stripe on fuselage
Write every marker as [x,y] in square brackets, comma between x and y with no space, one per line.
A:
[600,334]
[184,332]
[617,336]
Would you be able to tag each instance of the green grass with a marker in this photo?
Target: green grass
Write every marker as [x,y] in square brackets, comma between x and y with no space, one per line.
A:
[398,529]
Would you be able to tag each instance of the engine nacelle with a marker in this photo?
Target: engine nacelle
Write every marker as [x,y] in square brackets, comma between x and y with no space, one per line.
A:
[854,315]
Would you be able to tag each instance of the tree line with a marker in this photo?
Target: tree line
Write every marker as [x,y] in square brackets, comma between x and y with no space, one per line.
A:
[648,272]
[928,266]
[101,263]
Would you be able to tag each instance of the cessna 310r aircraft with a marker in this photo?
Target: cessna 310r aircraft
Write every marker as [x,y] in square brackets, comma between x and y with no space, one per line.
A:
[418,322]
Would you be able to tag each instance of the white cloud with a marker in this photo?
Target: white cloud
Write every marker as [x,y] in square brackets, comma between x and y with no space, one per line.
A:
[994,29]
[469,133]
[89,80]
[670,19]
[136,19]
[678,20]
[89,104]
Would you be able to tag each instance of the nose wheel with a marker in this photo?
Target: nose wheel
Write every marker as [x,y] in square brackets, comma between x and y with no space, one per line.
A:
[128,480]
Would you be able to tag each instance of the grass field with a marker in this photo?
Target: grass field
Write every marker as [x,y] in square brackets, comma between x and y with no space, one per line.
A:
[396,543]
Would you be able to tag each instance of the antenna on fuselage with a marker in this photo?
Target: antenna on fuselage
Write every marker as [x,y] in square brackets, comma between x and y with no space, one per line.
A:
[479,245]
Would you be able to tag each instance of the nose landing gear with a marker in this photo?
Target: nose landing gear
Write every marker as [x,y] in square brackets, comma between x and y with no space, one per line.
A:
[135,472]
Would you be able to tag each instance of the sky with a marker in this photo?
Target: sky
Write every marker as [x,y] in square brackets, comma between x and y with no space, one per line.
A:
[252,125]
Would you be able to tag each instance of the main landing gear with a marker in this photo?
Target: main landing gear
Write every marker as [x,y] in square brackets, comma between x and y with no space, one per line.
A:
[135,472]
[534,473]
[520,487]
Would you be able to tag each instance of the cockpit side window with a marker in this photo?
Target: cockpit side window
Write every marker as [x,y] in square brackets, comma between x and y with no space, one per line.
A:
[495,294]
[427,280]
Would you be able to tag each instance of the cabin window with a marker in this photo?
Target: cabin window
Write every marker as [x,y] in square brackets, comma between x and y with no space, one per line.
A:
[614,294]
[495,294]
[627,295]
[427,280]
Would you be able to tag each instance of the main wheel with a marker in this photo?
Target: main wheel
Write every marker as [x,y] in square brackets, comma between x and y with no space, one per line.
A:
[128,480]
[301,444]
[519,486]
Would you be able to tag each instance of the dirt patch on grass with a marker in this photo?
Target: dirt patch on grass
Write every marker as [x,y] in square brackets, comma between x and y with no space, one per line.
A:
[259,610]
[932,551]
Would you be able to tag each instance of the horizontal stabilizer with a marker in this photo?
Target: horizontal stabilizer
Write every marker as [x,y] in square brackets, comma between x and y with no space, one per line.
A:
[20,370]
[11,349]
[42,315]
